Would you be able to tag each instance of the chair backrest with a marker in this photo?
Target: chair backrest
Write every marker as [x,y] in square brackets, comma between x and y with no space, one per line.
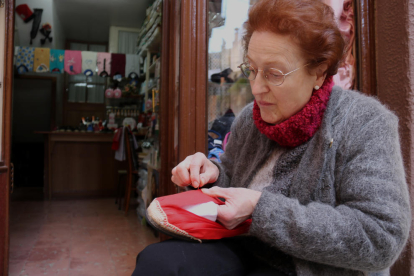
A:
[131,155]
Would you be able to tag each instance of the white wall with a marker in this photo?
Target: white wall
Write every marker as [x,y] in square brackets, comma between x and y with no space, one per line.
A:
[58,32]
[48,16]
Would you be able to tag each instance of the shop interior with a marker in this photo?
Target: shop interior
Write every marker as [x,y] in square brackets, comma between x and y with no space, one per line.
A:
[86,124]
[85,128]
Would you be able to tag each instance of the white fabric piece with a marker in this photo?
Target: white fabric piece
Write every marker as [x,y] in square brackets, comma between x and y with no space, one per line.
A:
[131,64]
[89,61]
[120,154]
[206,210]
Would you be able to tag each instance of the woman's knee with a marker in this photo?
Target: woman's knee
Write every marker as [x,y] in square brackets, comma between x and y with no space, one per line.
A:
[158,259]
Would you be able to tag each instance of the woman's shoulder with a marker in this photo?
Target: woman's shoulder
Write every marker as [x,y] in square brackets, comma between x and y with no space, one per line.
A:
[357,107]
[244,123]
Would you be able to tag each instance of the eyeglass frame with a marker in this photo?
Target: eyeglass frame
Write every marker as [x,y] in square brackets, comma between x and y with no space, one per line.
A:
[265,75]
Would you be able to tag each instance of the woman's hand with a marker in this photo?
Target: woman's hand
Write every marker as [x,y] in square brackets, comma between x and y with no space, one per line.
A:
[196,170]
[239,205]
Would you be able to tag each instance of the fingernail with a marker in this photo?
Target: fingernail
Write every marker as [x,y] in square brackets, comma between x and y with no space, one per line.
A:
[195,184]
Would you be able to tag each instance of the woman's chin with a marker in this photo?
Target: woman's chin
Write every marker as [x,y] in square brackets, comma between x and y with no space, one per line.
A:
[270,119]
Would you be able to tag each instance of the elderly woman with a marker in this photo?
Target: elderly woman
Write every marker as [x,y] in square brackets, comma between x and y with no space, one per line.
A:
[317,168]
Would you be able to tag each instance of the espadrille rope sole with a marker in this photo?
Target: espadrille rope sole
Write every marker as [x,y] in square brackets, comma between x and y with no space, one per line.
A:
[158,219]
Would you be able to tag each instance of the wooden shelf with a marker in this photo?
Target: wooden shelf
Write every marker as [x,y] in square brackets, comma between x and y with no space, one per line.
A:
[153,42]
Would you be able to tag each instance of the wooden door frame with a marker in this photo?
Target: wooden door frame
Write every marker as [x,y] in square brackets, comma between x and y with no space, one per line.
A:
[193,78]
[169,104]
[366,54]
[6,136]
[183,101]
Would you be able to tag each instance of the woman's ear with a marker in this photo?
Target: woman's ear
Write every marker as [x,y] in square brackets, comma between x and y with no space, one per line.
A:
[320,74]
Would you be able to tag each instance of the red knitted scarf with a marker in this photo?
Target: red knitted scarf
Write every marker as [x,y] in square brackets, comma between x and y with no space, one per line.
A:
[300,127]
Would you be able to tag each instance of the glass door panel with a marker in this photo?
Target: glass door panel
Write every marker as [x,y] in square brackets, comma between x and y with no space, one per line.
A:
[228,90]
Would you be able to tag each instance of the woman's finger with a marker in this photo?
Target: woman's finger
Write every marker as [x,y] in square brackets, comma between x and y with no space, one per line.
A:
[181,172]
[197,162]
[217,192]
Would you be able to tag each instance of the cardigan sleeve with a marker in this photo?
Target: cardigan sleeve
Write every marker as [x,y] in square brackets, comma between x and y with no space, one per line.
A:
[368,228]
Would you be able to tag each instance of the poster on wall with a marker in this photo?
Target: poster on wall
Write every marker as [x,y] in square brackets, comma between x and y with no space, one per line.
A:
[344,13]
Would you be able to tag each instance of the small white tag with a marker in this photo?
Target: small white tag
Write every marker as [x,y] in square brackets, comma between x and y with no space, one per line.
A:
[219,142]
[206,210]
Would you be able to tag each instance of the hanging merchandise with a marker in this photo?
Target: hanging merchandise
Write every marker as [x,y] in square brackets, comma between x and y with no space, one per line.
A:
[118,65]
[132,66]
[25,59]
[103,62]
[36,23]
[41,60]
[109,93]
[73,62]
[89,63]
[46,30]
[57,58]
[25,12]
[117,93]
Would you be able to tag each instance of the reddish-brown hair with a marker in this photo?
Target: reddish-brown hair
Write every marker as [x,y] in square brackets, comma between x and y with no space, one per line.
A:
[311,23]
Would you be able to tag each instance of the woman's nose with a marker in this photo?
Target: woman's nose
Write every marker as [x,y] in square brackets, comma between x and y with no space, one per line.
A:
[259,84]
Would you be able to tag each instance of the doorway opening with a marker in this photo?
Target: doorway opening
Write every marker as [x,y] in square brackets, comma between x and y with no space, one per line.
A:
[81,69]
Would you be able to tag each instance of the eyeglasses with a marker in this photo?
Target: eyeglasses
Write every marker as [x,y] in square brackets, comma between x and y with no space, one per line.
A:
[272,75]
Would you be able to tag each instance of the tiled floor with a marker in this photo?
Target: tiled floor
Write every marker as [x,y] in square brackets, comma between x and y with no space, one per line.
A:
[77,237]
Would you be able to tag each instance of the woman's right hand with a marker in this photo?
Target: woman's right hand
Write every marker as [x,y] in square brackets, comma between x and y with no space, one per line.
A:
[196,170]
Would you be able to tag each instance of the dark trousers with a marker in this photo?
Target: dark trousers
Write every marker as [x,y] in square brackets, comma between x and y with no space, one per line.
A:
[175,257]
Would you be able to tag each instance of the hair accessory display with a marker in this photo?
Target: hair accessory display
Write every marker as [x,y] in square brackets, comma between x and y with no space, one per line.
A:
[187,216]
[109,93]
[46,30]
[117,93]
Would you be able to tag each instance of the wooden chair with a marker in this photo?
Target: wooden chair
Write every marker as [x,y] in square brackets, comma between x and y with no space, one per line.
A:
[131,168]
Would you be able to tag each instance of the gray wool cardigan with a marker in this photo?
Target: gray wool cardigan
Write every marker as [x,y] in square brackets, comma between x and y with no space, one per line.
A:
[337,204]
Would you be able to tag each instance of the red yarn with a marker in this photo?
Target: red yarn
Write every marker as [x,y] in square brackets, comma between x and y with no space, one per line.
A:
[300,127]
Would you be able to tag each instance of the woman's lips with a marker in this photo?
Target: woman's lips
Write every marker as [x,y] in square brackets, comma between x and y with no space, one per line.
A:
[263,103]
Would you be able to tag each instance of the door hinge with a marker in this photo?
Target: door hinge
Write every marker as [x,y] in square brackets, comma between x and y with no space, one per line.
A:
[2,3]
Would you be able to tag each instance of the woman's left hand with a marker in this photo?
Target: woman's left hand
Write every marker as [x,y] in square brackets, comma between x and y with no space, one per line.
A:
[239,205]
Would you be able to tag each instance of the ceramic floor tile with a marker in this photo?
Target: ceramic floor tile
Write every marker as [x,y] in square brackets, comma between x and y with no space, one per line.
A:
[74,238]
[16,267]
[81,267]
[48,254]
[47,267]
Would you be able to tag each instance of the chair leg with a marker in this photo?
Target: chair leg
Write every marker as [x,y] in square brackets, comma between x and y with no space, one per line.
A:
[128,192]
[120,190]
[117,189]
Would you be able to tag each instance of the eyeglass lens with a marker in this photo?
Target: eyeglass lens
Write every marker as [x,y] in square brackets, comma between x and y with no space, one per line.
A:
[274,76]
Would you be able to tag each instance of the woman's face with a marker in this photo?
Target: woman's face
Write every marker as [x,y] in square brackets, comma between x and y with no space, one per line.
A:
[277,103]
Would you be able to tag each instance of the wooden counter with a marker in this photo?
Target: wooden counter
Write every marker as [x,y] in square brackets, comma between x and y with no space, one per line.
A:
[79,164]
